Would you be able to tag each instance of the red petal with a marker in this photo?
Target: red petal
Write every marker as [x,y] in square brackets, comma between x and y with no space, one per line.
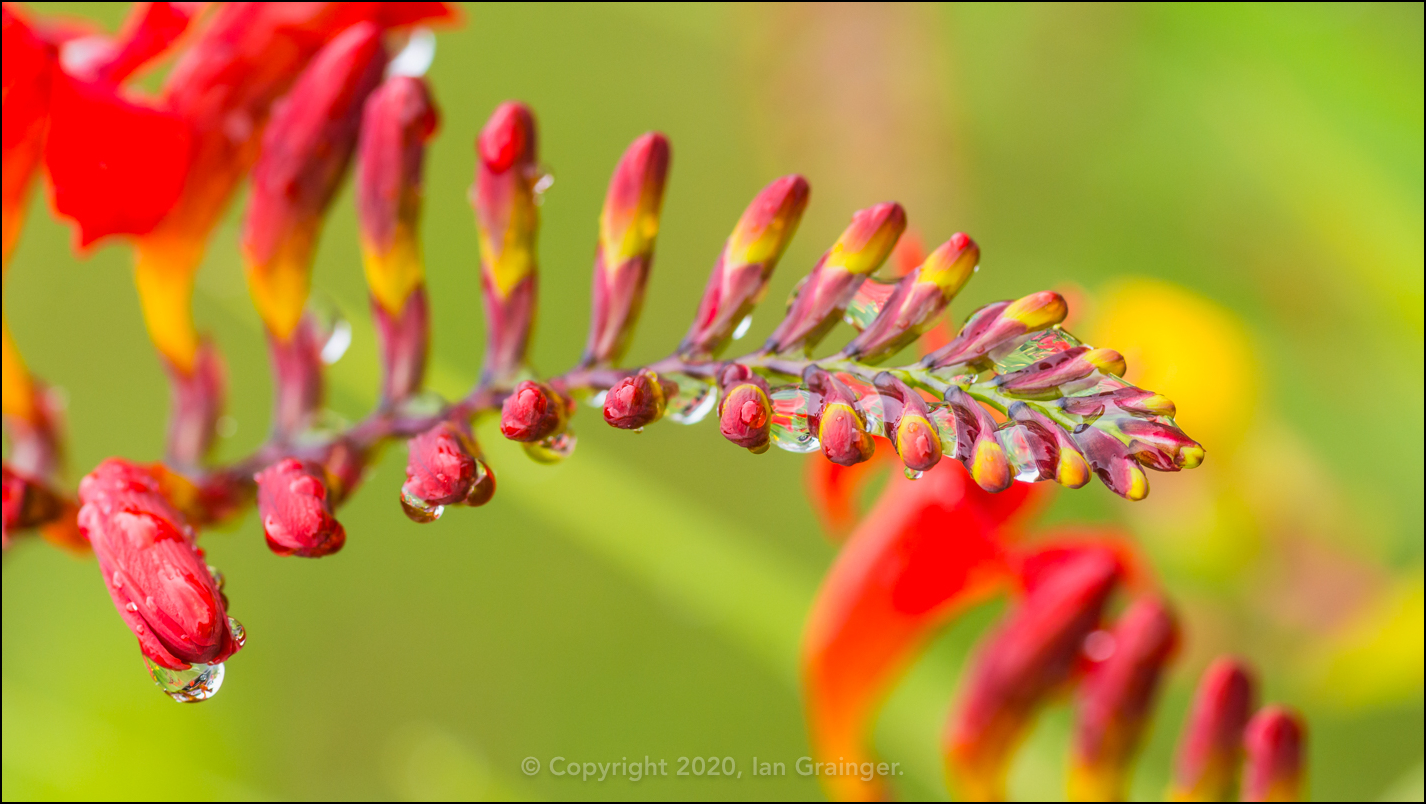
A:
[116,166]
[927,549]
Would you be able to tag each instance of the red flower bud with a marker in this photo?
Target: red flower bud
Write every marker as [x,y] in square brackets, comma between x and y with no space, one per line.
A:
[1031,655]
[637,401]
[827,291]
[441,467]
[745,411]
[739,278]
[1116,699]
[1210,747]
[508,137]
[917,301]
[1160,445]
[533,412]
[154,571]
[1053,450]
[840,425]
[908,420]
[976,445]
[1111,461]
[398,120]
[995,324]
[292,500]
[506,220]
[1274,743]
[305,152]
[627,229]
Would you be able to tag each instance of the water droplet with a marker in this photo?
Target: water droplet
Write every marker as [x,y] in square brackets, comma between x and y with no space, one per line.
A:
[743,327]
[597,401]
[198,683]
[240,634]
[418,510]
[638,430]
[118,580]
[913,474]
[870,401]
[227,426]
[1099,645]
[694,401]
[218,579]
[422,404]
[1021,352]
[868,302]
[337,342]
[553,449]
[131,607]
[945,421]
[543,183]
[790,429]
[415,58]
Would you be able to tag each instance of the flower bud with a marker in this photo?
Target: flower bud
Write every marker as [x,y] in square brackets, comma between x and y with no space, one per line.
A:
[908,419]
[976,446]
[1274,744]
[739,278]
[398,120]
[507,220]
[826,292]
[1210,747]
[745,411]
[305,152]
[995,324]
[1032,654]
[627,229]
[1116,699]
[1126,397]
[839,422]
[292,500]
[441,465]
[1113,463]
[533,412]
[918,300]
[637,401]
[155,573]
[1045,378]
[1069,468]
[1160,445]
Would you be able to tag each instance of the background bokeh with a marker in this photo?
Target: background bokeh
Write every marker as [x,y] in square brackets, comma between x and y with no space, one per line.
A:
[1231,195]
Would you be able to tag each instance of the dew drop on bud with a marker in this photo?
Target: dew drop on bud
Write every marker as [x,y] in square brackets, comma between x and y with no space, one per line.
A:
[743,327]
[695,399]
[1098,646]
[913,474]
[198,683]
[553,449]
[790,430]
[131,607]
[418,510]
[240,634]
[415,58]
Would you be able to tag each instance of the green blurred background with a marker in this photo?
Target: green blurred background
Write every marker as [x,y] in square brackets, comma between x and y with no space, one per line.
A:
[1231,194]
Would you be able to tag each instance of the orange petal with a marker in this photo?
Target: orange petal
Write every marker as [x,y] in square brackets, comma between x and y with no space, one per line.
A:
[927,549]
